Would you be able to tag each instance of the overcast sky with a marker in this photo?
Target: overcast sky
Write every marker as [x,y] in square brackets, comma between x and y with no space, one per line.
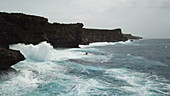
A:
[146,18]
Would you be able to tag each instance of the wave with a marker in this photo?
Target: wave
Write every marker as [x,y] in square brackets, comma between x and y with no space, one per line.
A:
[141,84]
[104,44]
[68,72]
[45,52]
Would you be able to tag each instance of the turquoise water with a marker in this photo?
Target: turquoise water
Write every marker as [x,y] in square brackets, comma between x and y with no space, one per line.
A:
[139,68]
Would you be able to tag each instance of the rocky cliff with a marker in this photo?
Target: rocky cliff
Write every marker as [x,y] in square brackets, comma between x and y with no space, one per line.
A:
[20,28]
[129,36]
[102,35]
[64,35]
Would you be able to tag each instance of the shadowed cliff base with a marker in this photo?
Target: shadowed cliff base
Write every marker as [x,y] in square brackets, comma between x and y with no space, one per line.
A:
[9,57]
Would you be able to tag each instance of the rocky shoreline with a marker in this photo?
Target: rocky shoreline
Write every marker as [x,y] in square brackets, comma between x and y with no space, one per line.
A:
[28,29]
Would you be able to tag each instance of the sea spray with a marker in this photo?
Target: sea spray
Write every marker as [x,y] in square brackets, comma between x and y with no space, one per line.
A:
[109,70]
[104,44]
[45,52]
[40,52]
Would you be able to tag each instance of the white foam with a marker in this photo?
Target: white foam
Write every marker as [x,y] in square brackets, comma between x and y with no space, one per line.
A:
[104,44]
[141,83]
[20,84]
[40,52]
[30,76]
[45,52]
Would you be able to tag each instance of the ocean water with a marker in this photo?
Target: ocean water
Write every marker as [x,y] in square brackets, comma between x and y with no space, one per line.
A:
[138,68]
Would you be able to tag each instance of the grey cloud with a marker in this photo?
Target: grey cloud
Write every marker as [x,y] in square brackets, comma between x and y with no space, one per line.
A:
[165,4]
[148,18]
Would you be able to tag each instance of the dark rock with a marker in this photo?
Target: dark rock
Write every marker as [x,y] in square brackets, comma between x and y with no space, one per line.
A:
[102,35]
[20,28]
[9,57]
[129,36]
[3,40]
[64,35]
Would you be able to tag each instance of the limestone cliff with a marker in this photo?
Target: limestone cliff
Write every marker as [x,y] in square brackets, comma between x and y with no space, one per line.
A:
[102,35]
[129,36]
[64,35]
[20,28]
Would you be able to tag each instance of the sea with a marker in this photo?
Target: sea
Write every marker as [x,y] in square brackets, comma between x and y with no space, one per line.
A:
[131,68]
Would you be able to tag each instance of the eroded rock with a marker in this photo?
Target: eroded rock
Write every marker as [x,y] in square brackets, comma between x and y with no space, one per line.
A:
[9,57]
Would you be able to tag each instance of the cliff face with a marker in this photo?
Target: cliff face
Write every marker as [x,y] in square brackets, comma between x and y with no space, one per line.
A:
[20,28]
[102,35]
[129,36]
[64,35]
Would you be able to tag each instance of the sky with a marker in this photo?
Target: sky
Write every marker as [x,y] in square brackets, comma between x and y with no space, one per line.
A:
[146,18]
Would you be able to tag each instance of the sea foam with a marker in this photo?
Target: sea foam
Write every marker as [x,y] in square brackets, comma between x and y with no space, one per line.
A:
[104,44]
[45,52]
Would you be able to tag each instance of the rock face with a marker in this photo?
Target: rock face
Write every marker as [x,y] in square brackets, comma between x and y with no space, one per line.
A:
[129,36]
[102,35]
[64,35]
[20,28]
[9,57]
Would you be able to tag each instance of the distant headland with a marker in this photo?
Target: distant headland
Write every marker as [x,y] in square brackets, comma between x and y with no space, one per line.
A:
[28,29]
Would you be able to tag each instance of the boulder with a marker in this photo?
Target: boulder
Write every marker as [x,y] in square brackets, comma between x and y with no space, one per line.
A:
[9,57]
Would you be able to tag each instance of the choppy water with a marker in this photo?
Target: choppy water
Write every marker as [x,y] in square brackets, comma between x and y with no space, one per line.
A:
[139,68]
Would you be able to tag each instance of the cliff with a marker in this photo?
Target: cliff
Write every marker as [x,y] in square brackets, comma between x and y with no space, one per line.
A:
[21,28]
[129,36]
[102,35]
[28,29]
[64,35]
[18,28]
